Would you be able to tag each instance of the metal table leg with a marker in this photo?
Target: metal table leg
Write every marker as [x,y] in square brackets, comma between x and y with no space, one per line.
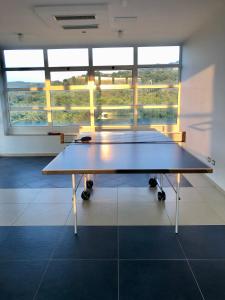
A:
[85,182]
[177,203]
[74,202]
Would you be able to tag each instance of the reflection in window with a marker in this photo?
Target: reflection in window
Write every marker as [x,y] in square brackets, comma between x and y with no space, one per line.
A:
[26,98]
[68,57]
[113,97]
[81,117]
[158,55]
[113,77]
[28,118]
[158,76]
[158,96]
[114,117]
[71,98]
[25,79]
[157,116]
[69,78]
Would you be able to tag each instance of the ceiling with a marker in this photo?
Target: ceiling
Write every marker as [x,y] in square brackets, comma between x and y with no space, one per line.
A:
[153,22]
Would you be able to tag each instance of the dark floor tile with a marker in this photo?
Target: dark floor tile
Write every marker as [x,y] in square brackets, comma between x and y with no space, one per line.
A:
[29,242]
[9,182]
[25,172]
[91,243]
[144,242]
[19,280]
[203,241]
[157,280]
[4,231]
[83,280]
[210,276]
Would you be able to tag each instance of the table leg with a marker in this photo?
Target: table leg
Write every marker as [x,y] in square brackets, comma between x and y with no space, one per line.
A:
[177,203]
[74,202]
[161,180]
[85,182]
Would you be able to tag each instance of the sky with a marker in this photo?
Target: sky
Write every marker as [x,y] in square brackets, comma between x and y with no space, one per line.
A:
[79,57]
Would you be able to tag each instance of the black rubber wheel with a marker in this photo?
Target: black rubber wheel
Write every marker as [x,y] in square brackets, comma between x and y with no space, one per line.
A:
[85,195]
[161,196]
[89,184]
[153,182]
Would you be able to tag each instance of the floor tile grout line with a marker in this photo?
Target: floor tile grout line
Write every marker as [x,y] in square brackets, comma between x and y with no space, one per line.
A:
[190,268]
[21,214]
[118,245]
[27,206]
[109,259]
[41,279]
[48,264]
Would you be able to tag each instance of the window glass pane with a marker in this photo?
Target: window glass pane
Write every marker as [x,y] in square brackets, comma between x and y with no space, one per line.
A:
[71,117]
[113,56]
[113,97]
[72,98]
[114,117]
[158,76]
[158,55]
[25,79]
[158,96]
[23,58]
[28,118]
[157,116]
[113,77]
[69,78]
[68,57]
[24,98]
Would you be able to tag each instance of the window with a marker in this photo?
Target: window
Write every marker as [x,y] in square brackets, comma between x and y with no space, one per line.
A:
[71,118]
[24,58]
[67,57]
[113,77]
[69,78]
[155,76]
[114,92]
[157,85]
[114,117]
[26,95]
[25,79]
[157,116]
[113,56]
[158,55]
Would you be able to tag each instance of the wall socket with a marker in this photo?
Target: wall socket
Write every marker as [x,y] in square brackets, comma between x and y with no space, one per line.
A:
[211,161]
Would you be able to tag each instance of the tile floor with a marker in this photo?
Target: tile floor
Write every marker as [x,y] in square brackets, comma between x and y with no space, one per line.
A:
[126,247]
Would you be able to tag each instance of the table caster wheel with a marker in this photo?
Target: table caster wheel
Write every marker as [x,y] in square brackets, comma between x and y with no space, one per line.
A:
[153,182]
[161,196]
[89,184]
[85,195]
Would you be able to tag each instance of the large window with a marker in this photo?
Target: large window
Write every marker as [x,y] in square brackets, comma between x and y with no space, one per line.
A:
[93,88]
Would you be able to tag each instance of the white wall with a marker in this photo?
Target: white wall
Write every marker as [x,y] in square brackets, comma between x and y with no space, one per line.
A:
[203,94]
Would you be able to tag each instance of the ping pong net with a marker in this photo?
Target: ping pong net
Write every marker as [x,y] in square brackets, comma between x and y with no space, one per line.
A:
[122,137]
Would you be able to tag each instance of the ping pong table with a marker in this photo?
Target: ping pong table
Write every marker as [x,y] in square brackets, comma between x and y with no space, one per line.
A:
[133,152]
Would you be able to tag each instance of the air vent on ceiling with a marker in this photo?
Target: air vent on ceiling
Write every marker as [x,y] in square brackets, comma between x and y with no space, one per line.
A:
[75,18]
[80,27]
